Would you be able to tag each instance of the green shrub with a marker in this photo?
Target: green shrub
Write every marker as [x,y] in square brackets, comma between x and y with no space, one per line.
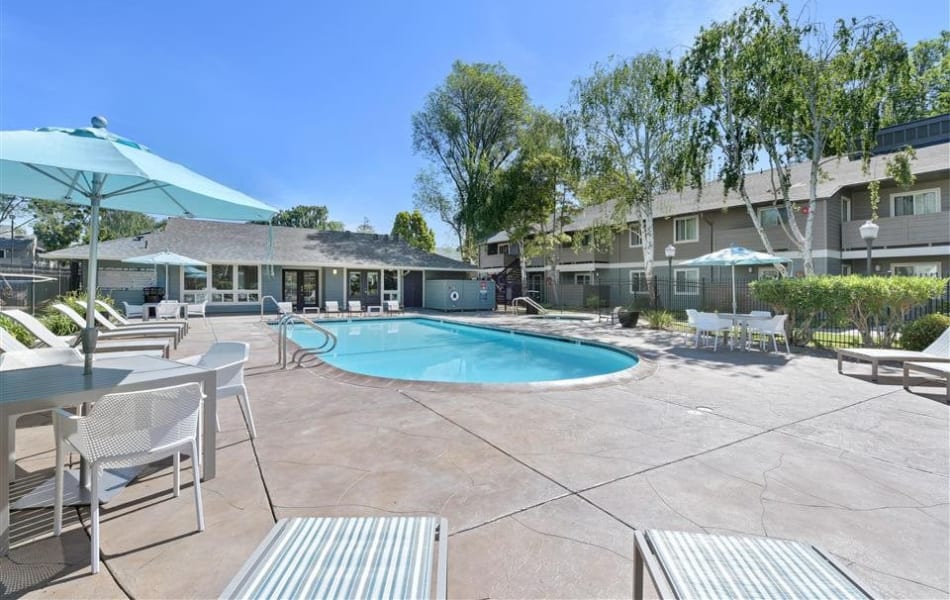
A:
[924,331]
[18,331]
[59,323]
[659,319]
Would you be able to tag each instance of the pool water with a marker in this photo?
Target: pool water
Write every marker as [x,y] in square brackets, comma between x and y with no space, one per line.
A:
[423,349]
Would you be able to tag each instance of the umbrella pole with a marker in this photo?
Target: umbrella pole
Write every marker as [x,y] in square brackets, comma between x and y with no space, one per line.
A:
[90,334]
[734,289]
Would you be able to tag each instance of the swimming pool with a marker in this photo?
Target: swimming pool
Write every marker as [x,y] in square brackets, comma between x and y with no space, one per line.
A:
[422,349]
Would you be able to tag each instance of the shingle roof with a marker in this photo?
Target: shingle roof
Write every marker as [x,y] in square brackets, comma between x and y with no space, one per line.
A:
[224,242]
[841,174]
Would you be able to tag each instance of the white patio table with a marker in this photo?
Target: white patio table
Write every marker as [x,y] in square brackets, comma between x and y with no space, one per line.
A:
[742,321]
[43,388]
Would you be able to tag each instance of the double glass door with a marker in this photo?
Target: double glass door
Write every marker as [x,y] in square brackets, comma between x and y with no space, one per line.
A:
[301,288]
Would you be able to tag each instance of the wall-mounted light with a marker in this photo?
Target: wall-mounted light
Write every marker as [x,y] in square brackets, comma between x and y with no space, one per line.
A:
[334,271]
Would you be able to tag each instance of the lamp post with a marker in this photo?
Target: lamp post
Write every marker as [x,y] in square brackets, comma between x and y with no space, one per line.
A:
[869,234]
[670,252]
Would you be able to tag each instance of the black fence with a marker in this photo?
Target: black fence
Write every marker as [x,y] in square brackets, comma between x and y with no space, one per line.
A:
[707,296]
[28,288]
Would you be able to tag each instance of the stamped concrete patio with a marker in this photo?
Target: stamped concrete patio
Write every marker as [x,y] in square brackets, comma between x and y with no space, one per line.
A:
[542,488]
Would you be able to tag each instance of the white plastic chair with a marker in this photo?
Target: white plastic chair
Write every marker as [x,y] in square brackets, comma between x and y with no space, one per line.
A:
[197,309]
[331,307]
[167,310]
[228,360]
[773,327]
[691,320]
[354,306]
[122,430]
[712,324]
[391,306]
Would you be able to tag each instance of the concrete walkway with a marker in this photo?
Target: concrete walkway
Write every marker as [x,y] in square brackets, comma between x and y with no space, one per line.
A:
[542,488]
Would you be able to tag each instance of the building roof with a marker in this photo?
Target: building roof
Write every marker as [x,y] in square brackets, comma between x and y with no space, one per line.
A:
[245,243]
[841,174]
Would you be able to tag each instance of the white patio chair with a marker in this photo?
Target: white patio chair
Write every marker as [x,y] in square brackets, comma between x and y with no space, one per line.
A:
[331,307]
[391,306]
[122,321]
[122,430]
[197,309]
[132,310]
[691,320]
[771,328]
[713,325]
[228,360]
[354,306]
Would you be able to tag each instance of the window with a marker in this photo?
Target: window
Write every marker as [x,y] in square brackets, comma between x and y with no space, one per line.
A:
[583,278]
[845,209]
[768,273]
[845,269]
[228,283]
[638,282]
[492,249]
[686,229]
[926,202]
[3,253]
[502,248]
[390,285]
[636,240]
[916,269]
[356,284]
[772,216]
[686,282]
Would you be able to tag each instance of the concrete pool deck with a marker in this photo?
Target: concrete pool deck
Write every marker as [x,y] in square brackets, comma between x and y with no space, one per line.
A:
[542,488]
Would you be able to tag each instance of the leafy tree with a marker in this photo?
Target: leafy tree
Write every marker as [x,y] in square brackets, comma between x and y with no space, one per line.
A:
[365,226]
[794,92]
[468,129]
[534,192]
[306,217]
[115,224]
[57,225]
[412,227]
[634,133]
[926,90]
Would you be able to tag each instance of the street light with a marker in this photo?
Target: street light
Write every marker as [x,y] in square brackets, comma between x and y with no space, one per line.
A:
[670,253]
[869,234]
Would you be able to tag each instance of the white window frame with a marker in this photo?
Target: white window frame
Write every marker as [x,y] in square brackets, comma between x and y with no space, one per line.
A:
[685,241]
[914,194]
[503,248]
[676,290]
[209,291]
[583,279]
[914,265]
[845,209]
[768,273]
[634,230]
[638,274]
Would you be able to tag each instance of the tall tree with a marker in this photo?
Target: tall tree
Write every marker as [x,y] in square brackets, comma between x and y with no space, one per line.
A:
[57,225]
[306,217]
[535,193]
[468,129]
[115,224]
[412,227]
[796,93]
[926,90]
[634,135]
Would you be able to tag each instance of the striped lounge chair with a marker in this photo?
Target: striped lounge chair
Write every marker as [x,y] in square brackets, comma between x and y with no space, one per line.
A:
[346,557]
[699,565]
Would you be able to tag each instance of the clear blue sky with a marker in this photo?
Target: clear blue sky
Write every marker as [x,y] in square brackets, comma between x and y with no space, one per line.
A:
[297,102]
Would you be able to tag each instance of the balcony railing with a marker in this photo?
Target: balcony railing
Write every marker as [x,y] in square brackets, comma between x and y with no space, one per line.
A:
[914,230]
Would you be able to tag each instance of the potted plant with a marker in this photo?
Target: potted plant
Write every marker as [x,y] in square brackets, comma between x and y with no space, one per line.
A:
[628,316]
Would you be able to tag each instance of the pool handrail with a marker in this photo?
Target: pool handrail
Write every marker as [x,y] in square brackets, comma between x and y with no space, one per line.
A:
[529,302]
[289,320]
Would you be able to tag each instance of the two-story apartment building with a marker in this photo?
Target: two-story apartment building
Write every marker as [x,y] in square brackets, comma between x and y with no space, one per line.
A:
[18,252]
[914,235]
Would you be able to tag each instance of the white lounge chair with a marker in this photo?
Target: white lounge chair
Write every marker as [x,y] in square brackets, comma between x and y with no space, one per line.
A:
[354,306]
[120,320]
[391,306]
[347,557]
[698,565]
[128,429]
[47,337]
[113,331]
[331,307]
[228,360]
[939,351]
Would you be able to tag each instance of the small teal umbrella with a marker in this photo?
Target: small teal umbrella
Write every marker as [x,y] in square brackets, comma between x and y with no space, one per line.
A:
[731,257]
[95,168]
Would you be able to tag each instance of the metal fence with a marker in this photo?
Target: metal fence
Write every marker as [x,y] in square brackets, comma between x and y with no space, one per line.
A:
[28,288]
[708,296]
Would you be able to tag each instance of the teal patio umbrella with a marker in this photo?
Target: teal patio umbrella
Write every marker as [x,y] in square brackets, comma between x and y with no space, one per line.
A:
[93,167]
[732,257]
[165,258]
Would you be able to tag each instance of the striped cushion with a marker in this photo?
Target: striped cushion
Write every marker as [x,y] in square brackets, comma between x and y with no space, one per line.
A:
[699,565]
[389,557]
